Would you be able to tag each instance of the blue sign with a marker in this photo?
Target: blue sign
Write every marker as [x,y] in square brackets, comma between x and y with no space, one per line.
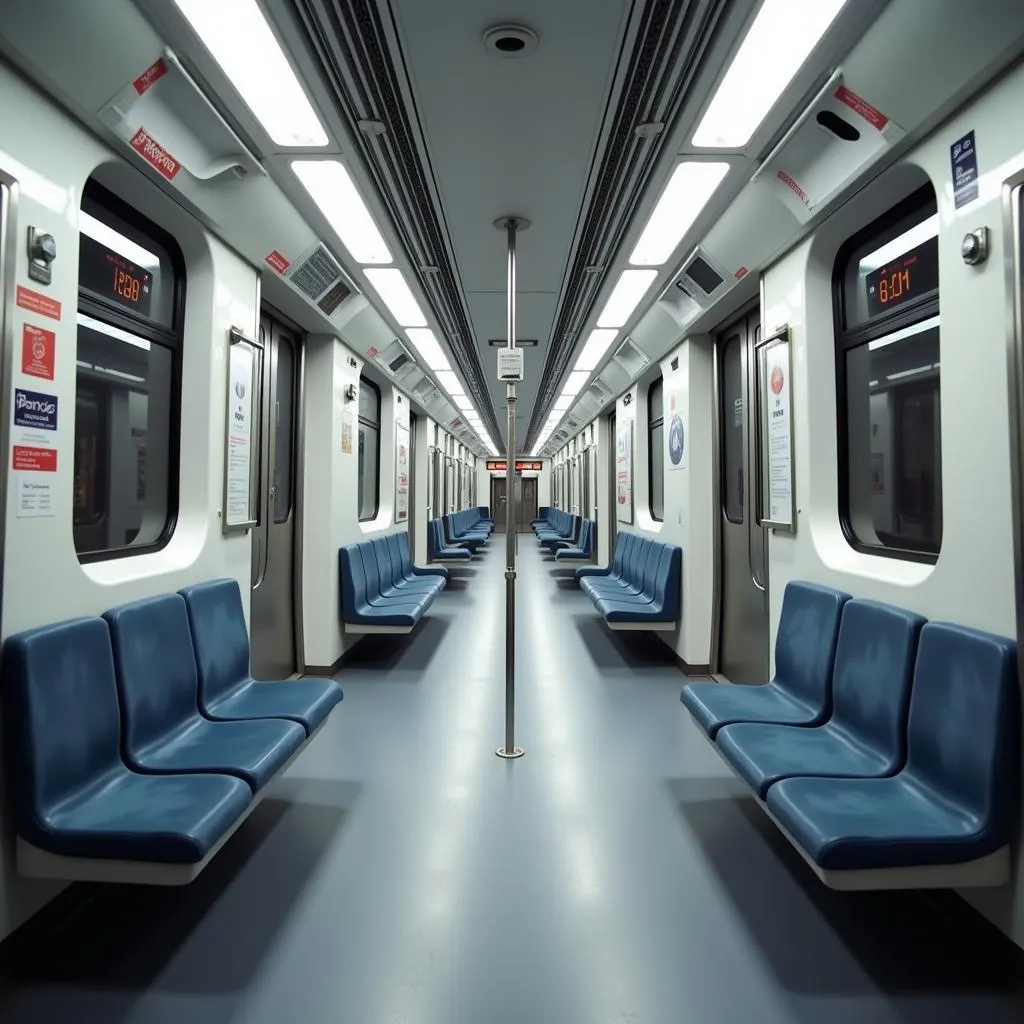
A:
[676,440]
[964,158]
[34,409]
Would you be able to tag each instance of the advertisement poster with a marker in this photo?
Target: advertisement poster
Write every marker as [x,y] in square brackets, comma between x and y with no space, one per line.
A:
[778,432]
[401,473]
[624,472]
[238,469]
[676,439]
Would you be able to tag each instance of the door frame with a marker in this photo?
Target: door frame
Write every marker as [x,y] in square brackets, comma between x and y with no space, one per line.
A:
[299,493]
[717,584]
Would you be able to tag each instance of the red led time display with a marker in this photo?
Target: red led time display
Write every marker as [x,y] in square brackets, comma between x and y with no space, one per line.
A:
[908,277]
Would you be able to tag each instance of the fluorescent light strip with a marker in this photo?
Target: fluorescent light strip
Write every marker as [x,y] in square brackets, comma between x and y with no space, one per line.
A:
[562,405]
[692,184]
[241,41]
[106,235]
[574,384]
[450,382]
[463,403]
[625,297]
[429,350]
[331,187]
[900,245]
[391,286]
[597,345]
[775,48]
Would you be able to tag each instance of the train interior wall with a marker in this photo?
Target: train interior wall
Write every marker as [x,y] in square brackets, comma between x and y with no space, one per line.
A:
[972,582]
[52,158]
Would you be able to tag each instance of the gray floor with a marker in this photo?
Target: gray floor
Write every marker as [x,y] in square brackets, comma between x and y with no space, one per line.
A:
[402,874]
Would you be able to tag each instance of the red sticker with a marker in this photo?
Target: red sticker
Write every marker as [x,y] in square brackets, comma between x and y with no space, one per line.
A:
[38,348]
[372,352]
[874,117]
[36,460]
[152,74]
[741,273]
[278,262]
[153,153]
[35,302]
[787,180]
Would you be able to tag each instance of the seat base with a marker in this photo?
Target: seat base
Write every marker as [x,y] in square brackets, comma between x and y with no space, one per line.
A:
[358,627]
[659,627]
[33,862]
[994,869]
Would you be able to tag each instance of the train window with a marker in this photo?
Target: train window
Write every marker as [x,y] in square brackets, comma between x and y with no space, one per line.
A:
[284,420]
[369,449]
[655,450]
[131,299]
[887,310]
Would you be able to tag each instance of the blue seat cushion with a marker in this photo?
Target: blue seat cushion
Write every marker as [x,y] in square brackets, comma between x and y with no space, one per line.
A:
[164,819]
[630,611]
[763,754]
[306,701]
[251,750]
[845,824]
[714,705]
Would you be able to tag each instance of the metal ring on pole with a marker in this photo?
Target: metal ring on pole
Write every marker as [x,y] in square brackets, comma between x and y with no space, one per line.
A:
[510,225]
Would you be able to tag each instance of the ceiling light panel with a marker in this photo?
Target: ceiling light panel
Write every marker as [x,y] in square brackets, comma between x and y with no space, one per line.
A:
[780,39]
[391,286]
[597,345]
[691,186]
[241,41]
[331,188]
[450,382]
[429,350]
[463,403]
[629,290]
[575,382]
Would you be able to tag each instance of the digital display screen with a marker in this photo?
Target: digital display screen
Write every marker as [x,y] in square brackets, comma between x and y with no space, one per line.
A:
[110,276]
[500,466]
[903,279]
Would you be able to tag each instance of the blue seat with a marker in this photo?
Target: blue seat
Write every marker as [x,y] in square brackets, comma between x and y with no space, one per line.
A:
[226,690]
[623,544]
[362,604]
[584,546]
[554,541]
[394,582]
[659,596]
[801,692]
[402,558]
[561,527]
[485,516]
[866,735]
[471,539]
[157,683]
[437,547]
[543,514]
[631,580]
[957,798]
[73,795]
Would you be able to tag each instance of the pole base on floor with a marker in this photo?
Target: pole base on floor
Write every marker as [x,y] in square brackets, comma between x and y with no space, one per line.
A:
[509,754]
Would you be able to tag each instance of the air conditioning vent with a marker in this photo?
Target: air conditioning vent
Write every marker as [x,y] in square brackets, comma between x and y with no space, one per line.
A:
[396,357]
[599,391]
[630,358]
[702,278]
[315,272]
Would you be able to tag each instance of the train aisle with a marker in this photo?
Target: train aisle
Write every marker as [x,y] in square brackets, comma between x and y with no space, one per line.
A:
[402,874]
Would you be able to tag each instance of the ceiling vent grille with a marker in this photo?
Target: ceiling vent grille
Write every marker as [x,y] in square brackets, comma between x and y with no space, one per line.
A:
[672,40]
[630,358]
[318,276]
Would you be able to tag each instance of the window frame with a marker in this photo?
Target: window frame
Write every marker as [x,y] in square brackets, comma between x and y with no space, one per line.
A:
[172,338]
[652,425]
[922,202]
[365,381]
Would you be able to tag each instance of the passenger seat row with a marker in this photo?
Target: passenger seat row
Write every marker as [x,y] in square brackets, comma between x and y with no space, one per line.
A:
[884,746]
[141,737]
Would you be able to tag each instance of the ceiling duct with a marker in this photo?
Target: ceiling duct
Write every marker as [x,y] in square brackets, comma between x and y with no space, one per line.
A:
[672,40]
[351,39]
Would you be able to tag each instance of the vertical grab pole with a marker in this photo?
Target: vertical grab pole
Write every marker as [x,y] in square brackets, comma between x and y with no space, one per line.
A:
[510,749]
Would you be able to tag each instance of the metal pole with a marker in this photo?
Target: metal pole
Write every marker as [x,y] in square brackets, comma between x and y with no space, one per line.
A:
[510,749]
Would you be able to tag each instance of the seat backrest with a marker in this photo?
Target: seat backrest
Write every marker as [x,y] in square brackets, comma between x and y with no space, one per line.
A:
[62,726]
[871,679]
[670,587]
[385,564]
[805,645]
[636,569]
[656,568]
[155,665]
[584,542]
[433,545]
[398,560]
[964,729]
[623,548]
[353,579]
[217,621]
[370,569]
[402,540]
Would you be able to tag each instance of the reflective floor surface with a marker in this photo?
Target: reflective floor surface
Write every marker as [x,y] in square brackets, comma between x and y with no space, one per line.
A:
[617,874]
